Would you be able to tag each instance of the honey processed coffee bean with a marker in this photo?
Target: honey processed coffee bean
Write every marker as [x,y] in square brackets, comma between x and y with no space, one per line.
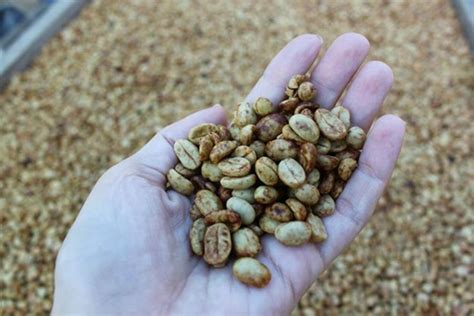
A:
[263,106]
[279,212]
[246,243]
[299,210]
[346,166]
[269,127]
[356,137]
[307,193]
[252,272]
[247,194]
[318,231]
[244,208]
[325,206]
[265,194]
[179,183]
[185,172]
[268,224]
[222,150]
[211,171]
[291,173]
[307,156]
[238,183]
[305,127]
[223,216]
[330,125]
[198,132]
[245,152]
[196,236]
[267,171]
[280,149]
[207,202]
[293,233]
[187,153]
[245,115]
[235,167]
[217,244]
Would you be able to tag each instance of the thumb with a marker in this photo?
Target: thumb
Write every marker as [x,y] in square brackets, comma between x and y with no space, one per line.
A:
[157,156]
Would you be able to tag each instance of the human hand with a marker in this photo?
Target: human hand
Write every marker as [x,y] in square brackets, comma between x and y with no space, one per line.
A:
[128,252]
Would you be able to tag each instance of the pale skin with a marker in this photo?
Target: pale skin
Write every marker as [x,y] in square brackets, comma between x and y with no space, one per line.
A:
[127,252]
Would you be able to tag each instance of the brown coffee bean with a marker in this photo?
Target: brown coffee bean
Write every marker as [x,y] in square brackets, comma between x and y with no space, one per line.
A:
[327,162]
[330,125]
[259,209]
[196,133]
[288,134]
[251,272]
[217,244]
[223,133]
[234,130]
[185,172]
[307,194]
[205,147]
[279,212]
[338,146]
[306,107]
[246,243]
[194,212]
[356,137]
[318,231]
[307,156]
[293,233]
[263,106]
[246,194]
[245,152]
[244,208]
[245,115]
[326,183]
[207,202]
[187,153]
[268,224]
[348,153]
[337,188]
[296,80]
[224,194]
[289,105]
[196,236]
[235,167]
[179,183]
[258,147]
[306,91]
[239,183]
[200,183]
[313,177]
[325,207]
[211,171]
[343,114]
[269,127]
[346,167]
[222,150]
[227,217]
[280,149]
[267,171]
[246,134]
[265,194]
[291,173]
[290,93]
[323,145]
[304,127]
[299,210]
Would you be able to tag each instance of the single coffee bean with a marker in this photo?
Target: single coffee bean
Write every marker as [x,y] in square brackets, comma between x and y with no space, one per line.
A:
[307,194]
[313,177]
[187,153]
[346,167]
[288,134]
[327,162]
[235,167]
[291,173]
[252,272]
[307,156]
[228,217]
[194,212]
[343,114]
[323,145]
[348,153]
[289,105]
[318,231]
[299,210]
[234,130]
[325,206]
[330,125]
[224,194]
[293,233]
[185,172]
[179,183]
[296,80]
[247,133]
[259,148]
[239,183]
[337,188]
[265,194]
[256,229]
[217,244]
[211,171]
[244,208]
[279,149]
[246,194]
[338,146]
[306,91]
[356,137]
[197,132]
[259,208]
[205,147]
[245,152]
[245,115]
[222,150]
[263,106]
[207,202]
[196,236]
[246,243]
[305,127]
[326,183]
[306,107]
[200,183]
[279,212]
[267,171]
[268,224]
[269,127]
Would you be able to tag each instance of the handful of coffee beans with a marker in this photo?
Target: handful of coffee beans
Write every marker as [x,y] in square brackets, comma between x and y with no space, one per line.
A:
[269,172]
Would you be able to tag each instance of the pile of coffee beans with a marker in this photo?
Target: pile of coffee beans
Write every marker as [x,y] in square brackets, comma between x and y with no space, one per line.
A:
[269,172]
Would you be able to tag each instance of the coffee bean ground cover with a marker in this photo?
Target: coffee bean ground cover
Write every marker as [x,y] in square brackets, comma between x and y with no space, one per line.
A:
[125,69]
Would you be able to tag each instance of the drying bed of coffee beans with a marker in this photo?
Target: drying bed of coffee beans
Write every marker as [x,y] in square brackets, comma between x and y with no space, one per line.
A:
[277,169]
[124,69]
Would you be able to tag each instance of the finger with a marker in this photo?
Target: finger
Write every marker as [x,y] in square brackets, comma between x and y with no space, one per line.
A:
[357,202]
[367,91]
[158,154]
[295,58]
[337,67]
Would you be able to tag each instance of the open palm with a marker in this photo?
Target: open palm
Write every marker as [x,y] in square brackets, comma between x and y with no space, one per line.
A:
[128,252]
